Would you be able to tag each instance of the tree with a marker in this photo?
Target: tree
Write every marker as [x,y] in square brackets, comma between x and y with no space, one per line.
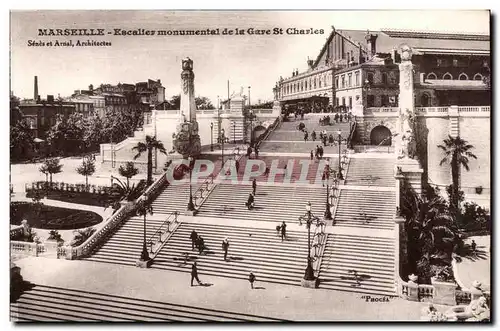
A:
[148,146]
[128,171]
[21,140]
[203,103]
[431,232]
[51,166]
[457,154]
[87,168]
[143,209]
[120,191]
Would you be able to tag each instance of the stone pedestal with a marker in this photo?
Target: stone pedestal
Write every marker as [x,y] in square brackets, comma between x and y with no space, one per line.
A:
[412,292]
[310,283]
[444,293]
[143,264]
[51,246]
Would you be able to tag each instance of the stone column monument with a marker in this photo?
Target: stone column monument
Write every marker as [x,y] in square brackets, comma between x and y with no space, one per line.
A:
[407,164]
[186,139]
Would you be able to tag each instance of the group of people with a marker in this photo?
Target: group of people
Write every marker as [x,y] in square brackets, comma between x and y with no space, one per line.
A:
[324,137]
[197,241]
[318,153]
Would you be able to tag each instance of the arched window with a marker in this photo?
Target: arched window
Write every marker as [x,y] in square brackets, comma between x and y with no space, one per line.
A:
[315,82]
[302,86]
[447,76]
[369,76]
[384,78]
[336,82]
[320,79]
[431,76]
[424,100]
[478,76]
[306,85]
[463,76]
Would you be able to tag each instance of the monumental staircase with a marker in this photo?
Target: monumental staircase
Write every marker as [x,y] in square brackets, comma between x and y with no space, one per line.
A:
[359,264]
[371,172]
[371,209]
[272,203]
[54,304]
[256,250]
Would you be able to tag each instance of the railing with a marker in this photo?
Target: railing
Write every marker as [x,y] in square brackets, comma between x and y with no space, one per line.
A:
[319,243]
[157,241]
[474,109]
[205,187]
[425,291]
[431,109]
[26,248]
[114,221]
[16,231]
[269,129]
[383,109]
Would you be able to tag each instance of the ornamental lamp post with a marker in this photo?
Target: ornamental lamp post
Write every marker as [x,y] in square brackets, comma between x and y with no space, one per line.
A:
[234,131]
[329,181]
[308,218]
[339,133]
[190,205]
[211,136]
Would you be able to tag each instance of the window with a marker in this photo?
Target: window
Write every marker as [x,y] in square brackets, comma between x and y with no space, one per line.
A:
[463,76]
[369,76]
[478,77]
[320,79]
[343,81]
[384,78]
[349,80]
[385,100]
[314,82]
[343,101]
[336,82]
[370,100]
[424,100]
[306,85]
[431,76]
[455,62]
[356,79]
[350,102]
[447,76]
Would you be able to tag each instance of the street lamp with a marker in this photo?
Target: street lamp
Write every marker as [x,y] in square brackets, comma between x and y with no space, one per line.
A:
[249,107]
[190,205]
[328,180]
[211,136]
[234,131]
[308,218]
[340,140]
[251,117]
[143,209]
[222,139]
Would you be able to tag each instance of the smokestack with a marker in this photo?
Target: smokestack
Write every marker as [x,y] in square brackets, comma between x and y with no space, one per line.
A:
[36,89]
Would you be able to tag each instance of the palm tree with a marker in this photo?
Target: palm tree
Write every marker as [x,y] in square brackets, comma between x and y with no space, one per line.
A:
[148,146]
[457,154]
[120,191]
[431,231]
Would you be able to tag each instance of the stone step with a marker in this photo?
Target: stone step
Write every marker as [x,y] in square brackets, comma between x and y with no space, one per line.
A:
[74,305]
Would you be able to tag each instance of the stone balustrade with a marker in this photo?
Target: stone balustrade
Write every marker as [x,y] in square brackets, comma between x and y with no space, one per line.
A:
[26,248]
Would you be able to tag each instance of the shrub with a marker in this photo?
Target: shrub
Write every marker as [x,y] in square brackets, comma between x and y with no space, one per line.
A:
[474,218]
[55,235]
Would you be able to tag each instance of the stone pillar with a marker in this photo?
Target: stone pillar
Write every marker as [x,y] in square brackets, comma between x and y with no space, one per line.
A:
[188,104]
[412,291]
[411,170]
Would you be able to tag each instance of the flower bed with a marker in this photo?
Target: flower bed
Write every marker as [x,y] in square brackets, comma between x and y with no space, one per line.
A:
[51,218]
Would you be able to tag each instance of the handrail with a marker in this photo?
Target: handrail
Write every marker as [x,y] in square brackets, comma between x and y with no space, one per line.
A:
[205,186]
[351,135]
[269,130]
[160,231]
[114,221]
[320,238]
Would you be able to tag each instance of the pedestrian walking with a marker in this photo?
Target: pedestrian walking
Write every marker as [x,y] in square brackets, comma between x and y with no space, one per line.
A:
[194,238]
[312,156]
[250,202]
[266,172]
[200,244]
[251,279]
[473,246]
[256,151]
[237,165]
[249,152]
[225,247]
[306,135]
[283,231]
[194,274]
[278,230]
[313,135]
[254,186]
[321,151]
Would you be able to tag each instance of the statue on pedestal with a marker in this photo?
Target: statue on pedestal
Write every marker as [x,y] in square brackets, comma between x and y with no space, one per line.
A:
[186,139]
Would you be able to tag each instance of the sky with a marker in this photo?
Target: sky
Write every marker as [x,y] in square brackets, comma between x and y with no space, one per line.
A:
[245,60]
